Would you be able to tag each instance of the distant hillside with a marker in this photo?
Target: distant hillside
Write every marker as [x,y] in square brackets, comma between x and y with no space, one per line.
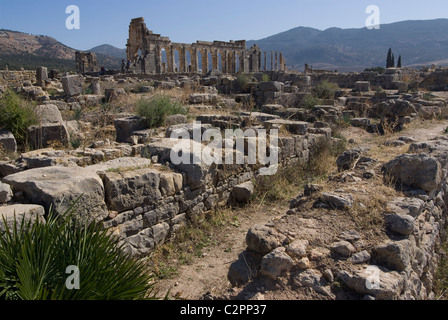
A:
[19,50]
[109,56]
[109,50]
[30,51]
[419,42]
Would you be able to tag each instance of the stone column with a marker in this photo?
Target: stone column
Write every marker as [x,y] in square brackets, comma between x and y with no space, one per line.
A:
[276,61]
[215,60]
[194,61]
[265,64]
[204,55]
[171,61]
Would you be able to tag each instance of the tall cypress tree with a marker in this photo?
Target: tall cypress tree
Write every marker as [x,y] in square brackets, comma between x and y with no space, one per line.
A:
[399,62]
[389,59]
[392,62]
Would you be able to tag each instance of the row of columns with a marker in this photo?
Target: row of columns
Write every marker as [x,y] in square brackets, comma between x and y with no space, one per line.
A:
[231,61]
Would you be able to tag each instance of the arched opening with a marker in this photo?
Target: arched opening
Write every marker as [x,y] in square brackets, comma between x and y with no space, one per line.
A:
[164,59]
[177,64]
[189,64]
[220,65]
[210,61]
[237,63]
[200,67]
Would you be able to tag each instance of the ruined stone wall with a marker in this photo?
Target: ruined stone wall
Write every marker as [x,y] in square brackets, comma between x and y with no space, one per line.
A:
[145,221]
[15,78]
[151,53]
[86,62]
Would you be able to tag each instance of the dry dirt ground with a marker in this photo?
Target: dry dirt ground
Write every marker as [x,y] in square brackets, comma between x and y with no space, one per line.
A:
[208,274]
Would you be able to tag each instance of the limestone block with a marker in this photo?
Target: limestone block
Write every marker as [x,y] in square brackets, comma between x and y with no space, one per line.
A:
[7,141]
[59,187]
[19,213]
[131,189]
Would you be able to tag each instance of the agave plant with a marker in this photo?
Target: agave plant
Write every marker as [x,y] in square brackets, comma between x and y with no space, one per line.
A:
[34,257]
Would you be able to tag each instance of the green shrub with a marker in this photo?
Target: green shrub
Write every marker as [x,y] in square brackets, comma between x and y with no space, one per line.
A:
[243,81]
[325,90]
[156,109]
[265,78]
[309,102]
[34,258]
[17,115]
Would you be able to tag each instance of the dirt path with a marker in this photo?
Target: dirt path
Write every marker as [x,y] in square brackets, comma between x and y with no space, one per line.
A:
[209,273]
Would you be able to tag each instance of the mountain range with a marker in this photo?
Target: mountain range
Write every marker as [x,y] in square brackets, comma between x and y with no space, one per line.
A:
[420,42]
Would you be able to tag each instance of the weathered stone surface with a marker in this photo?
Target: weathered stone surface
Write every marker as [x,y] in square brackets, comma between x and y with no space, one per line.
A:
[360,122]
[312,279]
[131,189]
[125,127]
[59,187]
[7,141]
[42,136]
[41,76]
[274,86]
[360,257]
[19,213]
[373,280]
[114,94]
[48,113]
[242,193]
[298,248]
[348,159]
[185,156]
[203,98]
[337,201]
[242,270]
[176,119]
[407,206]
[5,193]
[401,224]
[72,85]
[415,170]
[120,164]
[362,86]
[343,248]
[399,108]
[262,239]
[275,263]
[187,129]
[294,127]
[395,255]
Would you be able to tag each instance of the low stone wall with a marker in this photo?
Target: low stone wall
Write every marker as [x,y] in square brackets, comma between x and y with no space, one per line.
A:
[16,78]
[145,200]
[146,219]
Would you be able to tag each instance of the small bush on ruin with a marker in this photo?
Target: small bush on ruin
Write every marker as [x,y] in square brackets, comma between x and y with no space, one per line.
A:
[325,90]
[309,101]
[156,109]
[34,258]
[17,115]
[265,78]
[243,81]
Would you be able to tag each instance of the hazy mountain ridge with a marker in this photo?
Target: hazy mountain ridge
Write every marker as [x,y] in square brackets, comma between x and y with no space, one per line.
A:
[18,49]
[420,42]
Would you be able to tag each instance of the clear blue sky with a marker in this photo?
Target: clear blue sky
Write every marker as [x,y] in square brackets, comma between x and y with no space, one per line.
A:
[107,21]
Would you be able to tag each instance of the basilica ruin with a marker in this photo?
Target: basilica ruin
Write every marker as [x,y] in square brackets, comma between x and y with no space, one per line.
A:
[152,53]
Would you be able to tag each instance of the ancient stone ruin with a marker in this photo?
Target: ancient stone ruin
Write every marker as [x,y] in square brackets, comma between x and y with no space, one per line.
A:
[86,62]
[145,50]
